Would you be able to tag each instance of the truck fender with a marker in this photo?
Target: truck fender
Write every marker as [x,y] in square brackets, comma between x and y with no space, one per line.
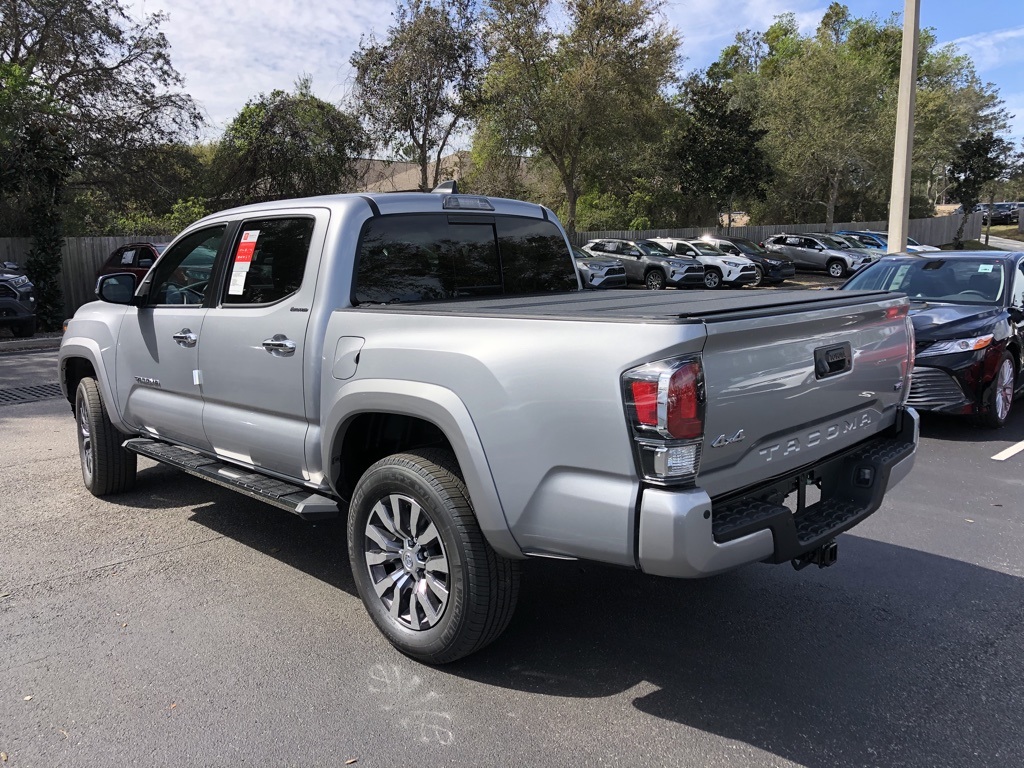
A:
[446,411]
[88,349]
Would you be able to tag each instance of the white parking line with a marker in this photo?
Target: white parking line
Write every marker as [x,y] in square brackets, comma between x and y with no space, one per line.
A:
[1013,450]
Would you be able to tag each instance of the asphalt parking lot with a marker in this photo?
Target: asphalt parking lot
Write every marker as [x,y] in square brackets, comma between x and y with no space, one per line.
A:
[184,624]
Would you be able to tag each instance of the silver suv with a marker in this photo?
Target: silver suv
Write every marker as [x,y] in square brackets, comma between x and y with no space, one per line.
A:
[650,263]
[819,252]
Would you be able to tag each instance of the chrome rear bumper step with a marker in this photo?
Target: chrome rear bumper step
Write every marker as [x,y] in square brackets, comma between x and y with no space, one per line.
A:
[293,498]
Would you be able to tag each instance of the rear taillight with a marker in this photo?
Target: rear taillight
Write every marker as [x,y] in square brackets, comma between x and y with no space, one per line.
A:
[665,409]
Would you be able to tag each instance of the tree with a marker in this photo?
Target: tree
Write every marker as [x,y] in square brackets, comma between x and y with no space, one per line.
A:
[110,77]
[979,160]
[581,95]
[713,150]
[288,145]
[416,88]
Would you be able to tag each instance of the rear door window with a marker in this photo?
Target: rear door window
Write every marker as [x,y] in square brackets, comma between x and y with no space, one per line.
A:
[423,257]
[268,260]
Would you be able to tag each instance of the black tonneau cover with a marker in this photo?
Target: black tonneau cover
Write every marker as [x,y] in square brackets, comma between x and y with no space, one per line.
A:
[669,306]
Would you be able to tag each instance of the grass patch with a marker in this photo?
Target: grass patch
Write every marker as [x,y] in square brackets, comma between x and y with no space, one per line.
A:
[1008,231]
[971,245]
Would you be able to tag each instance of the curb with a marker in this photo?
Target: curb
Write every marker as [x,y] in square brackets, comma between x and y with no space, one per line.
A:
[35,344]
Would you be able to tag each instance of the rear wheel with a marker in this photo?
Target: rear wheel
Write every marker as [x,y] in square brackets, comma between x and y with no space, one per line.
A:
[654,280]
[836,268]
[998,400]
[712,278]
[428,578]
[106,467]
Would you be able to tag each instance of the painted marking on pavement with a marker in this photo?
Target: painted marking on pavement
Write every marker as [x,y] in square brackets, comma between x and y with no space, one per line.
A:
[1013,450]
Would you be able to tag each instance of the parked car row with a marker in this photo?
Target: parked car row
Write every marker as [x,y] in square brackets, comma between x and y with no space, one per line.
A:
[999,213]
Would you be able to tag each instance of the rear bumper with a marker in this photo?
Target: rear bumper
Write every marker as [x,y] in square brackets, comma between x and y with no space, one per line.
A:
[687,535]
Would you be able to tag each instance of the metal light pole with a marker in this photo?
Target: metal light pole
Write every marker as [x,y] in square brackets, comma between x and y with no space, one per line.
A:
[899,203]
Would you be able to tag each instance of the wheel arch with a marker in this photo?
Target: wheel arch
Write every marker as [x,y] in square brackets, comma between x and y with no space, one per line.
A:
[370,418]
[82,357]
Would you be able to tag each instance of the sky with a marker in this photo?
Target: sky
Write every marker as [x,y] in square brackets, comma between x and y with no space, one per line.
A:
[230,51]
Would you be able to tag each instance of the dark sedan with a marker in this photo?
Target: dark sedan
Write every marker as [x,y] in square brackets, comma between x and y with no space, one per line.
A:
[968,315]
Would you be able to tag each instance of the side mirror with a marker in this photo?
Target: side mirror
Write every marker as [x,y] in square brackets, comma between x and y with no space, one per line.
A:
[634,253]
[818,248]
[116,289]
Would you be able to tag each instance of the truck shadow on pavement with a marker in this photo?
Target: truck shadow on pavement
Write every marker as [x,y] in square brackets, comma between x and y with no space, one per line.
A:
[892,657]
[900,658]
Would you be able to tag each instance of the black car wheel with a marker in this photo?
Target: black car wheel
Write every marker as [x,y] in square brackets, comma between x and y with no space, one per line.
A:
[106,466]
[426,574]
[998,399]
[758,276]
[24,329]
[654,280]
[836,268]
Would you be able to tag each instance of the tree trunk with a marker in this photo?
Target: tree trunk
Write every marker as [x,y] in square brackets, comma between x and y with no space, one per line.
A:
[830,208]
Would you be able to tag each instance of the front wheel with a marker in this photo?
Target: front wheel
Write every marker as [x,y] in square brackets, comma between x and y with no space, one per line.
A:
[712,279]
[998,398]
[428,578]
[836,269]
[758,277]
[654,280]
[106,467]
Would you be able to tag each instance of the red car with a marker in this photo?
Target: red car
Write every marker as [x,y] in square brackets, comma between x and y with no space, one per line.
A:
[136,258]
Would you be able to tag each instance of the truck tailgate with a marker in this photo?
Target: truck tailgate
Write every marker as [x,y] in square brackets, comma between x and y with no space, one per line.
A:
[787,390]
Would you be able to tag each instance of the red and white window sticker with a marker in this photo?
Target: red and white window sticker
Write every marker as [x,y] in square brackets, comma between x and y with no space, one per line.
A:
[243,260]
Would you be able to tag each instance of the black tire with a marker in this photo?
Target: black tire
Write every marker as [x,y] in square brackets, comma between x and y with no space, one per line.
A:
[480,587]
[997,402]
[712,279]
[654,280]
[25,329]
[836,268]
[106,467]
[758,277]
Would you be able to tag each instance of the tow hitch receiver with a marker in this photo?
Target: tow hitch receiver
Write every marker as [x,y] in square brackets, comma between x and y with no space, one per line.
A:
[823,556]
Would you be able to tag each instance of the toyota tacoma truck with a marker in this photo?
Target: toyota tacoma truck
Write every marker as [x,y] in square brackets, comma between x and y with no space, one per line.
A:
[426,366]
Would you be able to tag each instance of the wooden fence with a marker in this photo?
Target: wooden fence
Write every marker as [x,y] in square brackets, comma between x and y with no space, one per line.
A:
[934,231]
[83,256]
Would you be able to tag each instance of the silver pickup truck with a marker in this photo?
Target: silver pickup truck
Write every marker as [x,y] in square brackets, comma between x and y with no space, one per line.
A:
[426,366]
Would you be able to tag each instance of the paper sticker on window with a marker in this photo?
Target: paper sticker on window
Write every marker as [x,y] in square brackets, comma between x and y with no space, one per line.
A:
[127,257]
[246,249]
[985,267]
[237,285]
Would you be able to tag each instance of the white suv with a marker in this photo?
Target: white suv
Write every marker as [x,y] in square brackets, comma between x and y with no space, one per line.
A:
[721,269]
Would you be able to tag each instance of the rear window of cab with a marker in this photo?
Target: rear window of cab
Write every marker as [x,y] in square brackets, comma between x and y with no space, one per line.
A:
[431,257]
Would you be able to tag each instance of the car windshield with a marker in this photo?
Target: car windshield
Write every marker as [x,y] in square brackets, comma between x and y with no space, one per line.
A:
[912,241]
[747,246]
[850,241]
[953,281]
[832,242]
[654,247]
[706,248]
[581,254]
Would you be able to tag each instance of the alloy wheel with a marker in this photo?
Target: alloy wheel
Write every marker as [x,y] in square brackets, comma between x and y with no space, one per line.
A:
[407,562]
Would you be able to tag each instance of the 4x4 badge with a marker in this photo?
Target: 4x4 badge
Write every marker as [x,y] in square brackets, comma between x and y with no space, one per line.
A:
[722,440]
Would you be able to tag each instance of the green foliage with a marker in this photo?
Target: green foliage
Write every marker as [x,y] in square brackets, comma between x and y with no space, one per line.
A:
[417,87]
[288,145]
[979,160]
[578,84]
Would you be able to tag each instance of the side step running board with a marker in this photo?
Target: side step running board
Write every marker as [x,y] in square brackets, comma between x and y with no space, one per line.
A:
[294,498]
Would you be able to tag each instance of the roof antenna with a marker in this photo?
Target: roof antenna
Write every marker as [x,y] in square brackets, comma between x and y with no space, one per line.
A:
[447,188]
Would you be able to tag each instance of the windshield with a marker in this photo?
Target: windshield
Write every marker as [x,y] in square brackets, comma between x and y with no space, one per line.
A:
[654,247]
[582,254]
[706,248]
[850,241]
[832,242]
[912,241]
[953,281]
[747,246]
